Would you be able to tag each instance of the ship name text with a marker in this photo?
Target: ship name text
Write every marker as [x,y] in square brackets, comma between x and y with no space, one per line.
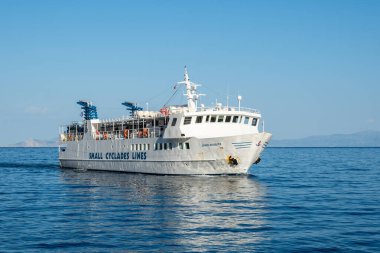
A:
[211,144]
[117,156]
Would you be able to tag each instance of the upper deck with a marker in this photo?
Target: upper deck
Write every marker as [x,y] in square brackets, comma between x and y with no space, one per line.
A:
[177,122]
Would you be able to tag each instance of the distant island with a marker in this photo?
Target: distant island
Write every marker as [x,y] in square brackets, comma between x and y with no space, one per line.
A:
[360,139]
[33,143]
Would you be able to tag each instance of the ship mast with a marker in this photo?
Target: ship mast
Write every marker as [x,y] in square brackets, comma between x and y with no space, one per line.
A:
[190,93]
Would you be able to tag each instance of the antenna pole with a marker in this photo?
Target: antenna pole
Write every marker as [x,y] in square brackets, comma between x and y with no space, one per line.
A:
[239,100]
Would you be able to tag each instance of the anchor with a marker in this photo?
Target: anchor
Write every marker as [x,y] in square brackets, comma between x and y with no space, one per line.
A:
[232,161]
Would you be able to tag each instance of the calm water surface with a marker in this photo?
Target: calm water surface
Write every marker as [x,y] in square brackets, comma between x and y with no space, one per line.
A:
[299,199]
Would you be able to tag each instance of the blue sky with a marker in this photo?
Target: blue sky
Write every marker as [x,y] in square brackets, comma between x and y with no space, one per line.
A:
[310,67]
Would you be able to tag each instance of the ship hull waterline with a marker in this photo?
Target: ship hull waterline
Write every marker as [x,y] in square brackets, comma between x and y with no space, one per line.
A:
[213,161]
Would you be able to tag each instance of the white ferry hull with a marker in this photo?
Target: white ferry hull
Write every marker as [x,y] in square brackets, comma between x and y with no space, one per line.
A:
[205,157]
[176,140]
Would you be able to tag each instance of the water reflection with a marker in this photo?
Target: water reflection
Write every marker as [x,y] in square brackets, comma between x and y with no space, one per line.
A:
[174,211]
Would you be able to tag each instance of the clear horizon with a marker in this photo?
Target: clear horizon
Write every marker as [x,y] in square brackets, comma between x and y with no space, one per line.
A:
[310,67]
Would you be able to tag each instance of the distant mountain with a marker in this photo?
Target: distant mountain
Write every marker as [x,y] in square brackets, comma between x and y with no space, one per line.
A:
[360,139]
[33,143]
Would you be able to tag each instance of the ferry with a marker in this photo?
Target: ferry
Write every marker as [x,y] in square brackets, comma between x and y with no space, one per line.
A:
[176,140]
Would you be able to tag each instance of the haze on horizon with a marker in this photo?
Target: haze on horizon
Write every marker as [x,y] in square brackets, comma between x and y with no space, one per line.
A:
[310,67]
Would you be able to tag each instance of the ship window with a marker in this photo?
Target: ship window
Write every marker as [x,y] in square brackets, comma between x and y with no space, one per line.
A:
[241,119]
[160,146]
[170,146]
[207,118]
[148,146]
[155,146]
[213,119]
[165,146]
[254,121]
[228,119]
[246,119]
[174,121]
[187,121]
[180,145]
[235,119]
[144,146]
[220,118]
[187,145]
[132,147]
[199,119]
[140,146]
[136,146]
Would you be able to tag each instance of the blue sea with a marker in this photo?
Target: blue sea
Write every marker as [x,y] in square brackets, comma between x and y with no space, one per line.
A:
[296,200]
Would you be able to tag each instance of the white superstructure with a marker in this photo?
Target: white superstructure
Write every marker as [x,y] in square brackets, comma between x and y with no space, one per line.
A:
[176,140]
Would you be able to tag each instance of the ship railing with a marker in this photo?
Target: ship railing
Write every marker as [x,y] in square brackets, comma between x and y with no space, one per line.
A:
[129,134]
[227,109]
[153,132]
[66,137]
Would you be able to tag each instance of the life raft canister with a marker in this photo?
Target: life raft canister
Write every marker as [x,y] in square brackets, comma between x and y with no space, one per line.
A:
[164,111]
